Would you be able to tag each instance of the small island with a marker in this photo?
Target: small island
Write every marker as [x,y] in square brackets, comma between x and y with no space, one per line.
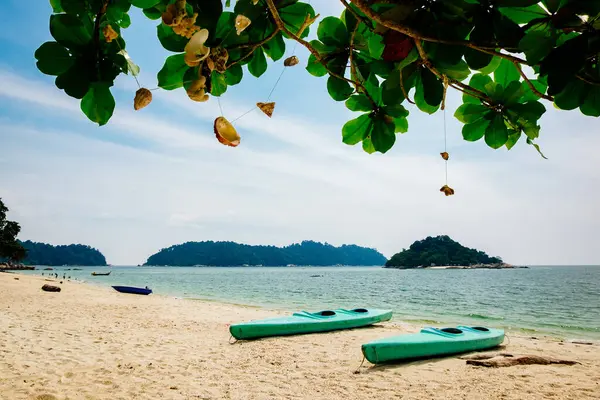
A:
[307,253]
[441,252]
[72,254]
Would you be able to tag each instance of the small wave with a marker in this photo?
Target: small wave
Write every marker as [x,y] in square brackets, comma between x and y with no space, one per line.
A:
[488,317]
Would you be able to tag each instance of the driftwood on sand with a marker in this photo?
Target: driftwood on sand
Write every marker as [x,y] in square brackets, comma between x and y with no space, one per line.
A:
[508,360]
[50,288]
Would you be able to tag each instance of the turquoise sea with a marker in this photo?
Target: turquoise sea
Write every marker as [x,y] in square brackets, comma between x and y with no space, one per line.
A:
[557,301]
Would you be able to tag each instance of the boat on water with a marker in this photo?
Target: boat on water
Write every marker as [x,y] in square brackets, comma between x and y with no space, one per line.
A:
[309,322]
[432,342]
[132,290]
[101,273]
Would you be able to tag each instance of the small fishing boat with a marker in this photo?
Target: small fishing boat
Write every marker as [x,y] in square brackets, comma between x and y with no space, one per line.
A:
[133,290]
[432,342]
[308,322]
[101,273]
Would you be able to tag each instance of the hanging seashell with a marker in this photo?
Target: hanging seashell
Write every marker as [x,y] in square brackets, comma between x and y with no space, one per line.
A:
[241,23]
[197,90]
[175,13]
[267,108]
[195,50]
[226,133]
[445,156]
[255,2]
[109,33]
[218,59]
[447,190]
[143,97]
[291,61]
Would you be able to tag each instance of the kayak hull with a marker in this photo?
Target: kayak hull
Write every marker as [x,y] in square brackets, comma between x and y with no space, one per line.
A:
[432,342]
[132,290]
[306,322]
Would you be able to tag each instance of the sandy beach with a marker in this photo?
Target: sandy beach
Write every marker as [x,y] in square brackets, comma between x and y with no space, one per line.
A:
[90,342]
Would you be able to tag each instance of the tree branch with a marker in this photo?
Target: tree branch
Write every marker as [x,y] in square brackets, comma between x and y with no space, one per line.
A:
[584,79]
[314,52]
[453,82]
[364,7]
[404,92]
[252,46]
[358,17]
[533,88]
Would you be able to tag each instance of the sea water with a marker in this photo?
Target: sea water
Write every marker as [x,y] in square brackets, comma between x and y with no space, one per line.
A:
[561,301]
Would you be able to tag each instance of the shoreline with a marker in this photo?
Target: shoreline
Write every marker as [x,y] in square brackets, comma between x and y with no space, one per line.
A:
[91,342]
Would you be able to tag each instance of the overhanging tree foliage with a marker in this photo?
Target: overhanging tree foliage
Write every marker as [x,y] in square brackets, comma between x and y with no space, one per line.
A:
[10,248]
[505,56]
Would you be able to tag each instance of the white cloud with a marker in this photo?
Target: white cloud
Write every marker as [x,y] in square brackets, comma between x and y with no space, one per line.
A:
[290,179]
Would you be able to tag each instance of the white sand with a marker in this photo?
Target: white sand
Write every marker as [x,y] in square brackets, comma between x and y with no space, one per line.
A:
[93,343]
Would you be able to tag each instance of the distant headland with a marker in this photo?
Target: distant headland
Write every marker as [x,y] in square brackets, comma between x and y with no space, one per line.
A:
[72,254]
[223,254]
[441,252]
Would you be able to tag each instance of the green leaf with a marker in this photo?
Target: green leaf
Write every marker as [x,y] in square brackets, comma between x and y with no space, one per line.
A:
[125,21]
[396,111]
[528,94]
[513,138]
[433,88]
[506,73]
[53,58]
[420,96]
[469,113]
[458,71]
[355,130]
[169,39]
[383,136]
[367,145]
[258,63]
[391,92]
[359,102]
[293,14]
[537,44]
[218,83]
[572,96]
[74,7]
[56,6]
[376,46]
[591,105]
[98,103]
[553,5]
[332,32]
[401,125]
[372,86]
[275,48]
[315,68]
[524,14]
[170,77]
[338,89]
[475,131]
[70,31]
[513,93]
[496,134]
[234,75]
[493,66]
[144,3]
[74,81]
[152,13]
[530,142]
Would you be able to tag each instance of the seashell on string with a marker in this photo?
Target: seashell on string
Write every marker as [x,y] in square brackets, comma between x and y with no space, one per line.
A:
[447,190]
[143,97]
[291,61]
[174,13]
[109,33]
[267,108]
[226,133]
[195,50]
[218,59]
[241,23]
[197,90]
[445,156]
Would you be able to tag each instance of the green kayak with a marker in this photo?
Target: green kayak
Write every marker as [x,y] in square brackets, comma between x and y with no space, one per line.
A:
[432,342]
[307,322]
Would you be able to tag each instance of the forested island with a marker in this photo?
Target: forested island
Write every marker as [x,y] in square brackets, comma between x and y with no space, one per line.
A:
[442,251]
[221,254]
[72,254]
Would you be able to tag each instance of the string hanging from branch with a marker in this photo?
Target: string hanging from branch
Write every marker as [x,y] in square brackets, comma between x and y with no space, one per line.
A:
[447,190]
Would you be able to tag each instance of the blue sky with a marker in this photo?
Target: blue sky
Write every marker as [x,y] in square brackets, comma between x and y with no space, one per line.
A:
[157,177]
